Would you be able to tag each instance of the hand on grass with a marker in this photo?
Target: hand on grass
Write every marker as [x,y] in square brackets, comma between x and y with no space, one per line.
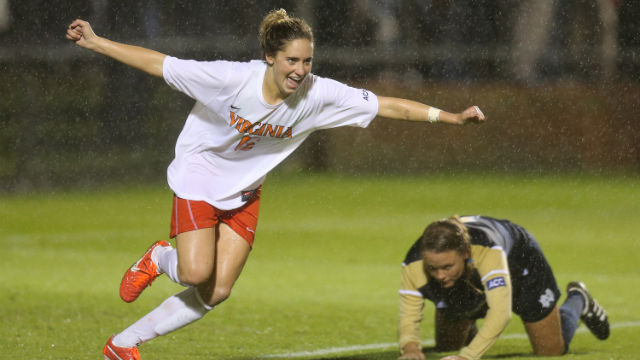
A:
[412,356]
[412,351]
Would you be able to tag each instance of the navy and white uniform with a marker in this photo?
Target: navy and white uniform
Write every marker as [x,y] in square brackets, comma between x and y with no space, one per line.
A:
[508,273]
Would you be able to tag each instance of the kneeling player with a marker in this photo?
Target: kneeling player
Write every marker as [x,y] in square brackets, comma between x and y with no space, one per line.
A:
[479,267]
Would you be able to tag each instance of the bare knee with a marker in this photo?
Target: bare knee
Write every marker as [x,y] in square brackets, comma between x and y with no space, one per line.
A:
[193,275]
[546,335]
[221,294]
[215,296]
[547,345]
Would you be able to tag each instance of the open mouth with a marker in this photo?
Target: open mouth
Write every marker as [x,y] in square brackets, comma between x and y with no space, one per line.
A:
[294,82]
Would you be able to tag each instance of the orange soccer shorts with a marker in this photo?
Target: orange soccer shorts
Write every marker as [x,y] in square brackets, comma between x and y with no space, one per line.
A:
[188,215]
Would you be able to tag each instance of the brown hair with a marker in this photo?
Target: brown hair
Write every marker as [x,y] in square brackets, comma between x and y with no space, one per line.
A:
[446,234]
[449,234]
[278,28]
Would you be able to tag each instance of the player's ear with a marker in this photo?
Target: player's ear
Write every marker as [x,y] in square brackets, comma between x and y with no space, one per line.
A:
[270,59]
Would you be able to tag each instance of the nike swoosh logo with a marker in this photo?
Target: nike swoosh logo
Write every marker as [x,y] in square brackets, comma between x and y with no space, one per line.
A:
[235,107]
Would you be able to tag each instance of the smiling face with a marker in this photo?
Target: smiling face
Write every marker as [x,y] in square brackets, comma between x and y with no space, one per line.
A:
[445,267]
[287,69]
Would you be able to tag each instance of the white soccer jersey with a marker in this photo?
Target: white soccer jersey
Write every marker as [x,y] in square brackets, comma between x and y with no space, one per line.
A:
[232,138]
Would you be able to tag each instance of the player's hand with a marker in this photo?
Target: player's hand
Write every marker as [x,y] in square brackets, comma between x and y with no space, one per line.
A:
[416,355]
[80,32]
[412,351]
[453,357]
[472,114]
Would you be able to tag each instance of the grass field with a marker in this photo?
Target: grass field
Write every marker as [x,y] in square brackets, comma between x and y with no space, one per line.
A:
[322,280]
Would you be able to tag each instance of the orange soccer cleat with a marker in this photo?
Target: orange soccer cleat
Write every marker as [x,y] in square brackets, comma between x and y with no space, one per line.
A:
[112,352]
[141,274]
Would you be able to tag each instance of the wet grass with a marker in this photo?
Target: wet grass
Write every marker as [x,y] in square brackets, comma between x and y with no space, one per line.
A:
[324,271]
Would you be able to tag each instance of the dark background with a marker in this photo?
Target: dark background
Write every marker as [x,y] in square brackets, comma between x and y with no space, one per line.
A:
[560,85]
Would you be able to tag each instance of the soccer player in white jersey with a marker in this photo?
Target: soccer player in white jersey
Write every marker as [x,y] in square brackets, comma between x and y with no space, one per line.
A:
[247,118]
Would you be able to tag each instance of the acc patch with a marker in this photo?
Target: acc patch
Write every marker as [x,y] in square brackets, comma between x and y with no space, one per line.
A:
[496,282]
[365,95]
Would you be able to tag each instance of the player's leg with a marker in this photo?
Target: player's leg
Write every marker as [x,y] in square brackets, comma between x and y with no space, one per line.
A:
[211,258]
[561,324]
[143,272]
[196,252]
[535,295]
[453,334]
[180,309]
[235,234]
[583,305]
[189,219]
[546,335]
[231,253]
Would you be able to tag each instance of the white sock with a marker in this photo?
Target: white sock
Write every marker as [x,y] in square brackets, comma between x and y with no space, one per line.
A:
[167,260]
[175,312]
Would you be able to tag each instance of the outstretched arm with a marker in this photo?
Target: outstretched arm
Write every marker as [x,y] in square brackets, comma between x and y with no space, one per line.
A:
[402,109]
[149,61]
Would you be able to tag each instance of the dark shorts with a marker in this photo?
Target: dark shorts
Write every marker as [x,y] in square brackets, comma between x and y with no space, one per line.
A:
[535,291]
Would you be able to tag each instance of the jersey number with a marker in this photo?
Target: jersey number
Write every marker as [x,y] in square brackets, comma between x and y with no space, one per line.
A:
[247,143]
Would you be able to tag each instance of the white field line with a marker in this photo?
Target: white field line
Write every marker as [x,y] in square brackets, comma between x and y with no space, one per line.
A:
[384,346]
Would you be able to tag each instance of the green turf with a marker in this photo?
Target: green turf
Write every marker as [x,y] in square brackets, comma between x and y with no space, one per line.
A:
[324,271]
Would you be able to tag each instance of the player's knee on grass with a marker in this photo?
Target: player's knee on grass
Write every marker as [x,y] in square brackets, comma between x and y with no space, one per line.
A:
[548,346]
[549,351]
[545,335]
